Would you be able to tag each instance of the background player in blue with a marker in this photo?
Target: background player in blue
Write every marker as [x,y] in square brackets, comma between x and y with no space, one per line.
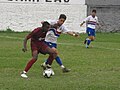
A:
[92,21]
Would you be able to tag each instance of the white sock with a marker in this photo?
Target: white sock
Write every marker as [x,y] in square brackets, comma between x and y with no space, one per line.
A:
[24,72]
[87,39]
[62,66]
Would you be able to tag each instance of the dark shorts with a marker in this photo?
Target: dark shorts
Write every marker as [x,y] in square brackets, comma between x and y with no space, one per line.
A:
[41,47]
[90,31]
[51,44]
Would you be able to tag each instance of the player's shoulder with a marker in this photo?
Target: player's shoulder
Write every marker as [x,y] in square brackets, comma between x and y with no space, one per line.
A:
[37,29]
[62,27]
[96,17]
[90,16]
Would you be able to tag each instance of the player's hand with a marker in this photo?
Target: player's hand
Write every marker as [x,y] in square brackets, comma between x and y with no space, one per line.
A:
[81,24]
[76,34]
[24,49]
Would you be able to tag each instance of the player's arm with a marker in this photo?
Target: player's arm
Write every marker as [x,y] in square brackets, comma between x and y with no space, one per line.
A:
[85,20]
[25,45]
[65,30]
[82,23]
[26,39]
[98,24]
[75,34]
[25,42]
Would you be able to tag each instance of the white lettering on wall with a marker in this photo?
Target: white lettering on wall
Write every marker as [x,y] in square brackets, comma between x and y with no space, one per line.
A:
[47,1]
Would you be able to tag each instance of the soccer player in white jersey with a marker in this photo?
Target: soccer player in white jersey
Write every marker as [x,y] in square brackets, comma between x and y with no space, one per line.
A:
[92,21]
[54,33]
[51,41]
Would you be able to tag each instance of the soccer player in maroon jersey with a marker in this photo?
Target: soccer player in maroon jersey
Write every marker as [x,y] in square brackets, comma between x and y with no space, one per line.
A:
[38,45]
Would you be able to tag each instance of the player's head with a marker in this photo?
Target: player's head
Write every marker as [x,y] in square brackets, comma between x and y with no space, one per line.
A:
[62,19]
[56,26]
[93,12]
[45,26]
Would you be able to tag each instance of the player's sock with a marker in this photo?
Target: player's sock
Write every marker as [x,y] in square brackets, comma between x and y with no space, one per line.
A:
[24,72]
[88,42]
[62,66]
[58,60]
[29,64]
[85,41]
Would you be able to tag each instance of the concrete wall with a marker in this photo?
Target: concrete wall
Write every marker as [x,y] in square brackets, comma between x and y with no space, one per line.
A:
[26,16]
[108,12]
[102,2]
[109,18]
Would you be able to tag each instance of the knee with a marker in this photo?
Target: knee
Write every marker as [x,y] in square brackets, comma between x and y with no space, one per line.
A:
[92,38]
[35,57]
[54,53]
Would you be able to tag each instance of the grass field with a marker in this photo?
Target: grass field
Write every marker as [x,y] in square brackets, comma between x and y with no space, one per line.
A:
[96,68]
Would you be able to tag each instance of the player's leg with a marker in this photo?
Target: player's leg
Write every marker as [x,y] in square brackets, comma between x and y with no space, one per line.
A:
[54,46]
[59,61]
[90,37]
[52,55]
[88,33]
[30,63]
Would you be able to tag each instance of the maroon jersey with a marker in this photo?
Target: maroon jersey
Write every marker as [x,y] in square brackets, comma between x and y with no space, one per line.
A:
[37,40]
[37,35]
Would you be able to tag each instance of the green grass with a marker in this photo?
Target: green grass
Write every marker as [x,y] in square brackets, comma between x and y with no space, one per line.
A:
[96,68]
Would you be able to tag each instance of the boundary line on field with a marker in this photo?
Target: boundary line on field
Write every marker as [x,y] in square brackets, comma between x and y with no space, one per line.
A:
[94,46]
[69,44]
[9,37]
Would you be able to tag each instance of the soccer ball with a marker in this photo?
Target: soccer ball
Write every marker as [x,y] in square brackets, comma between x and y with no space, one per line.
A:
[47,73]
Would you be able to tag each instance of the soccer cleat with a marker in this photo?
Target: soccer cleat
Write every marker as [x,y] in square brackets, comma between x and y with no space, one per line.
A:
[45,66]
[23,75]
[86,46]
[65,70]
[85,41]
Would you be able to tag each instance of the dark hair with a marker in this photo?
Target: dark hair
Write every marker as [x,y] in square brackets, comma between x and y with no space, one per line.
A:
[45,23]
[62,16]
[94,10]
[55,26]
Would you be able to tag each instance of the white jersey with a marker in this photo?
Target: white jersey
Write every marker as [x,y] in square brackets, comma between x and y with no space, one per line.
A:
[53,34]
[62,28]
[91,21]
